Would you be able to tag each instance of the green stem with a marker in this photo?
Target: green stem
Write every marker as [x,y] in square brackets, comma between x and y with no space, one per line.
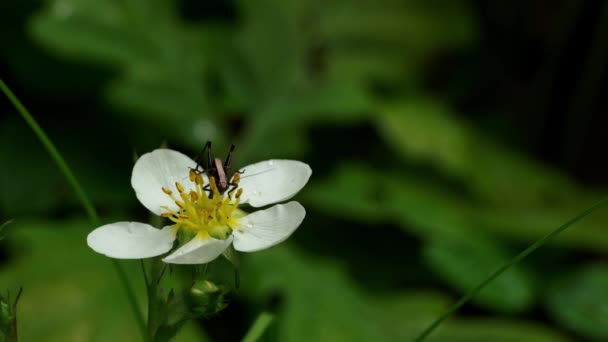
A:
[259,327]
[84,200]
[154,305]
[519,257]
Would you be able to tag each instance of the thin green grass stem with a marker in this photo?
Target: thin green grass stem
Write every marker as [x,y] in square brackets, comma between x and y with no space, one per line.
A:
[259,327]
[82,197]
[519,257]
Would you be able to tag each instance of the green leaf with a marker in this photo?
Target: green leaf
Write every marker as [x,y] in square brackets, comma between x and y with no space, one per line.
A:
[100,31]
[30,182]
[2,226]
[579,301]
[430,208]
[69,290]
[465,262]
[352,192]
[426,131]
[496,330]
[160,60]
[389,42]
[319,302]
[404,315]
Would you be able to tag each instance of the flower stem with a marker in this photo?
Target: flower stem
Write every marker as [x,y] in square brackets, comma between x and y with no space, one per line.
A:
[152,279]
[82,197]
[259,327]
[519,257]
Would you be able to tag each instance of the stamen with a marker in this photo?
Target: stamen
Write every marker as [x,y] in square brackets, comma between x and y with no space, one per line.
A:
[193,196]
[184,197]
[204,210]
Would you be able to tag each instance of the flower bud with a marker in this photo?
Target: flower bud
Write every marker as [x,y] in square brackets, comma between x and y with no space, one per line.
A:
[206,298]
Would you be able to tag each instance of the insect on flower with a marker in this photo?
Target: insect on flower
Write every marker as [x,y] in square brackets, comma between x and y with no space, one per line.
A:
[203,204]
[220,173]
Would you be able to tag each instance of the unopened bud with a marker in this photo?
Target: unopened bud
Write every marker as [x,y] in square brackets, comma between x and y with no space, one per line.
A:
[206,298]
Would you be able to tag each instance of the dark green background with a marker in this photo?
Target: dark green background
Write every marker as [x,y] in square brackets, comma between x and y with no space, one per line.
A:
[444,137]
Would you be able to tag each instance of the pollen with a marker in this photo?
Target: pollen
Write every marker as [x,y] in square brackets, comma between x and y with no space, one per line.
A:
[204,211]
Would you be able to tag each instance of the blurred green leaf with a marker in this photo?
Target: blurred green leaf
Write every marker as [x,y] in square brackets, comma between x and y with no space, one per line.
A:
[352,192]
[29,180]
[404,316]
[2,226]
[427,131]
[390,40]
[319,302]
[70,292]
[579,301]
[465,262]
[427,209]
[296,64]
[32,183]
[496,330]
[160,65]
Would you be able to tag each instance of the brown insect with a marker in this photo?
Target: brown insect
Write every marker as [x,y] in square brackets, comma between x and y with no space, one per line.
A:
[221,172]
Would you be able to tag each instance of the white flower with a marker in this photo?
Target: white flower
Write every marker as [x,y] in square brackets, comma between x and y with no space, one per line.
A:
[165,183]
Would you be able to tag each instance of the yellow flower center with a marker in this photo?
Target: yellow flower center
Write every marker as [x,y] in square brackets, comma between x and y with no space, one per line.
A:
[205,214]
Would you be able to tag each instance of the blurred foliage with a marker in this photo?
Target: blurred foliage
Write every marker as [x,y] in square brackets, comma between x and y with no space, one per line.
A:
[70,293]
[421,188]
[579,301]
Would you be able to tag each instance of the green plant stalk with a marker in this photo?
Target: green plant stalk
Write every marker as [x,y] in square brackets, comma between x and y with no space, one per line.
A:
[519,257]
[259,327]
[12,335]
[82,197]
[152,278]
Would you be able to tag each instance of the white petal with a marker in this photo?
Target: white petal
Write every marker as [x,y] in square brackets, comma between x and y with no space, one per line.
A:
[266,228]
[273,181]
[131,240]
[198,251]
[157,169]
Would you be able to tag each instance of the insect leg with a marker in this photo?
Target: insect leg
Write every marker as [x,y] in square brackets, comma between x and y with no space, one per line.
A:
[208,146]
[198,158]
[229,158]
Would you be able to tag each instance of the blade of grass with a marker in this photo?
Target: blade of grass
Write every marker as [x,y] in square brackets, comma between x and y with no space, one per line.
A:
[82,197]
[259,327]
[519,257]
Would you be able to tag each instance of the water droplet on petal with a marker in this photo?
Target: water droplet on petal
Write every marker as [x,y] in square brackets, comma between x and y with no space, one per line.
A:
[271,163]
[249,225]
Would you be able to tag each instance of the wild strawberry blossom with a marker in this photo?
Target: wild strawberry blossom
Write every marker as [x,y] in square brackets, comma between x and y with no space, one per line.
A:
[205,222]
